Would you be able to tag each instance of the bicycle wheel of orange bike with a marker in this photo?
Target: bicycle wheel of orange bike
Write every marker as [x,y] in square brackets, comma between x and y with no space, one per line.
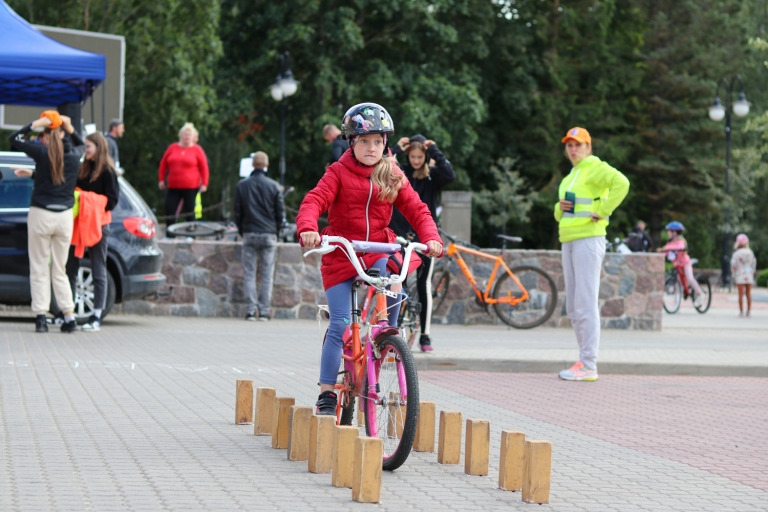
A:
[541,302]
[441,281]
[392,417]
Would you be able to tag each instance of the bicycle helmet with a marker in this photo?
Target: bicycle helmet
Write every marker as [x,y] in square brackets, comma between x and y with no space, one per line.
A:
[675,226]
[364,119]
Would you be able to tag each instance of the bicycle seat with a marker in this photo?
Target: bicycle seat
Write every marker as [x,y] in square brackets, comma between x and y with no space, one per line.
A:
[513,239]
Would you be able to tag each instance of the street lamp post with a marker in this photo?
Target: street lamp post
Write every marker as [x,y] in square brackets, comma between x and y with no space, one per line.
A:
[717,112]
[284,86]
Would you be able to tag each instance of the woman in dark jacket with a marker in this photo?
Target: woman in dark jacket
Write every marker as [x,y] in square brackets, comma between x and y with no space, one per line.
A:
[97,174]
[49,222]
[427,180]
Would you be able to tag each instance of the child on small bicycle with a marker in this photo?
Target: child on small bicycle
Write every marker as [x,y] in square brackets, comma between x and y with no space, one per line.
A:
[677,252]
[358,192]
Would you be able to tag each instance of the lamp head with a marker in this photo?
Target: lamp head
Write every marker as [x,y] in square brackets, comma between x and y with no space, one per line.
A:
[741,106]
[717,111]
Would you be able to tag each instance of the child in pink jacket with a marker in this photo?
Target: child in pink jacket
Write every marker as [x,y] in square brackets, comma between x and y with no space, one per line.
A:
[677,252]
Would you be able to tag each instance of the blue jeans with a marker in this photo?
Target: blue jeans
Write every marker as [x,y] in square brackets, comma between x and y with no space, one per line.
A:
[259,250]
[98,257]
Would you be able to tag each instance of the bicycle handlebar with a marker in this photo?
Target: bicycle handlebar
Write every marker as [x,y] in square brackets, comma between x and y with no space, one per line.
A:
[352,247]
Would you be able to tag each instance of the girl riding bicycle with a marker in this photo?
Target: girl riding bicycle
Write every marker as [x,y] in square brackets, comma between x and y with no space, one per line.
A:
[358,192]
[677,252]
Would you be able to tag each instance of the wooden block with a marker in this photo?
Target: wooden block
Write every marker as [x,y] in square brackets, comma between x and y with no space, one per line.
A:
[282,422]
[425,428]
[360,413]
[537,471]
[449,438]
[366,480]
[264,423]
[244,402]
[396,418]
[511,460]
[343,455]
[478,446]
[322,430]
[298,432]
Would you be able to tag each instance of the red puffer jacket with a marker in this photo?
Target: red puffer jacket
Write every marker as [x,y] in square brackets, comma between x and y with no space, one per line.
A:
[349,196]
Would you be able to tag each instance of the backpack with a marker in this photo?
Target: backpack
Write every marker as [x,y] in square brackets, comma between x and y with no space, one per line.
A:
[635,242]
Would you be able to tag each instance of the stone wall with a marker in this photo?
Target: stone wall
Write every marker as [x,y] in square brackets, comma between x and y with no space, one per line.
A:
[207,280]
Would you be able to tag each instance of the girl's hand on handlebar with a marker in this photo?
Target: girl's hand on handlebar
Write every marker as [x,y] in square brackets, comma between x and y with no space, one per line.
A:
[310,239]
[435,249]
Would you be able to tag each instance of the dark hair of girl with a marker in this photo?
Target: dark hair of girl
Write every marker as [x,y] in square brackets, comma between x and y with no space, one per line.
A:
[91,169]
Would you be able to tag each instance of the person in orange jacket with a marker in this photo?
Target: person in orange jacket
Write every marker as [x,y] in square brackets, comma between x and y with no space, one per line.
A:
[97,175]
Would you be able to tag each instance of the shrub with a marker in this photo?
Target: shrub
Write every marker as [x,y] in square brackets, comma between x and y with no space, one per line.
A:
[762,278]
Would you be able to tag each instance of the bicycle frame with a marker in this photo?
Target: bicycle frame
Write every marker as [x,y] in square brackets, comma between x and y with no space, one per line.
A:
[454,251]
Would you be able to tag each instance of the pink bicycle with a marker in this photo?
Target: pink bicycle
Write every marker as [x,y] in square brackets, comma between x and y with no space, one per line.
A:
[377,365]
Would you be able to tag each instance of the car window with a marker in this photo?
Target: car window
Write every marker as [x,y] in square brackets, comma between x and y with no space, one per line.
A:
[14,192]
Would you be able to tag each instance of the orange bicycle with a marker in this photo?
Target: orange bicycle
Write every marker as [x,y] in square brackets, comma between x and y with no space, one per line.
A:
[522,297]
[377,366]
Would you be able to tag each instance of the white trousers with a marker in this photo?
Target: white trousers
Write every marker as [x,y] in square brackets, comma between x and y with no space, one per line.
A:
[582,263]
[49,236]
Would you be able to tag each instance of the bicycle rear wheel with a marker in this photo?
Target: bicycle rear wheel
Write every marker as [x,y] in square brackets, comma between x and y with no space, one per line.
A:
[440,283]
[542,297]
[194,229]
[707,289]
[673,294]
[392,418]
[410,317]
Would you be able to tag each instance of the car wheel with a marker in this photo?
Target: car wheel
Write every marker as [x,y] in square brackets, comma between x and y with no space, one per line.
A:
[84,292]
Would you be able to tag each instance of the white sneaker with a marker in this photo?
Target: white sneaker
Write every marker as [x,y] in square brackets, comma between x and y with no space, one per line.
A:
[92,325]
[699,300]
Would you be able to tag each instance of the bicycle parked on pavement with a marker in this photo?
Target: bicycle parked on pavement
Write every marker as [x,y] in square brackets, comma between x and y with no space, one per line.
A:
[377,367]
[523,297]
[676,290]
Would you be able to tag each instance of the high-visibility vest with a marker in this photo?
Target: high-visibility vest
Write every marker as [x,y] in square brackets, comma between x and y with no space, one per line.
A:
[199,206]
[590,198]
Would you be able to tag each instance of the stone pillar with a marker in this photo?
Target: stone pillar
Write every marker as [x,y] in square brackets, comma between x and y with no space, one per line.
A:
[456,217]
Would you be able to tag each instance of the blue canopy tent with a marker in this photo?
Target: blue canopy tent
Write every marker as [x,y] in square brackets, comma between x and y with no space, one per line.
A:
[35,70]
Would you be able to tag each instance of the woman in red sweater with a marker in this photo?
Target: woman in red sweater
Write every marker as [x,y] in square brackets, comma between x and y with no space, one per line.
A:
[183,172]
[358,192]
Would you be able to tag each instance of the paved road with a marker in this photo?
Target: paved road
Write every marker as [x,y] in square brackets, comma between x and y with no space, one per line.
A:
[140,416]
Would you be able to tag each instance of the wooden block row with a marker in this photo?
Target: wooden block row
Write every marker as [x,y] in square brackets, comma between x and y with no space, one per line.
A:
[523,464]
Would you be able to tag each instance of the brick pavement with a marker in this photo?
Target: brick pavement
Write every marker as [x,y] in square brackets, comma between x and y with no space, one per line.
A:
[140,417]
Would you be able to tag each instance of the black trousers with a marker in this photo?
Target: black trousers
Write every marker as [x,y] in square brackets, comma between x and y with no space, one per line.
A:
[180,200]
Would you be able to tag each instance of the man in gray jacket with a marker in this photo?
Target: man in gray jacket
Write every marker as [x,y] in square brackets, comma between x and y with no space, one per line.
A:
[259,213]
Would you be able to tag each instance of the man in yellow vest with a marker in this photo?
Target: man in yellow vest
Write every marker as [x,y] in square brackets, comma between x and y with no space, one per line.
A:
[588,195]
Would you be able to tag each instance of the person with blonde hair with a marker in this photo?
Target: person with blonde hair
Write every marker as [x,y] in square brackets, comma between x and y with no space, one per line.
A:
[358,192]
[743,268]
[183,172]
[49,222]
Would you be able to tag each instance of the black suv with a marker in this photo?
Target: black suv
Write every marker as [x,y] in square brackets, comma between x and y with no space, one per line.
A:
[134,261]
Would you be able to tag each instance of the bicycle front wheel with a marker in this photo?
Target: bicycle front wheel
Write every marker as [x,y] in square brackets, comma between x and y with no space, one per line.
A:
[542,297]
[410,317]
[707,289]
[393,416]
[673,294]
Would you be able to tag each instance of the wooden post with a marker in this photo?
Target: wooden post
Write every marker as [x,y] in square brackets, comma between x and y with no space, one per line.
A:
[537,471]
[424,441]
[478,446]
[244,402]
[264,423]
[366,482]
[298,432]
[343,455]
[511,460]
[282,421]
[449,440]
[321,434]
